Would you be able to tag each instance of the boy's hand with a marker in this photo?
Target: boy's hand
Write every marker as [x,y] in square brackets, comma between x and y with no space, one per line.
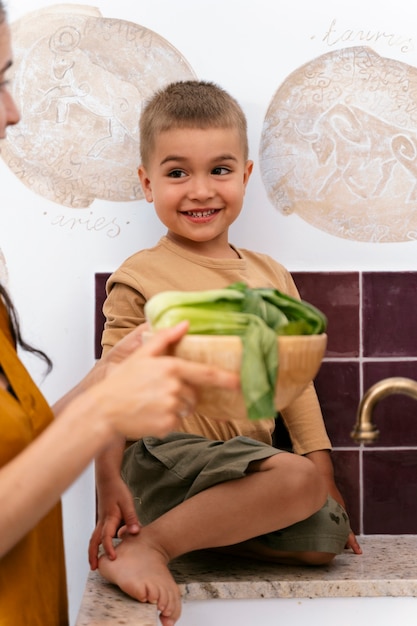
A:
[115,506]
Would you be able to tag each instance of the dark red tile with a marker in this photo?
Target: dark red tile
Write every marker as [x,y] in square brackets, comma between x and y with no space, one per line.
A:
[389,314]
[390,487]
[336,294]
[346,472]
[337,386]
[395,415]
[100,295]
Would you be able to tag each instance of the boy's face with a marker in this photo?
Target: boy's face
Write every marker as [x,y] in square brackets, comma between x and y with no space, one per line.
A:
[196,179]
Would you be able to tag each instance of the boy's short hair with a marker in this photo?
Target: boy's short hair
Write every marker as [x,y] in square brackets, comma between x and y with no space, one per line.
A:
[189,104]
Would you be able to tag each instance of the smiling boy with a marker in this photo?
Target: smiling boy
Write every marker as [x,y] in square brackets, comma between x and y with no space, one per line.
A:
[212,484]
[196,179]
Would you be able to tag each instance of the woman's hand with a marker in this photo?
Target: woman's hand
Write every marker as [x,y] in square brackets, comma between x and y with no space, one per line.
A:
[143,392]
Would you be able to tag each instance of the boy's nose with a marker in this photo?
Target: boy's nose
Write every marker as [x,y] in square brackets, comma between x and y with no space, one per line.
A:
[201,187]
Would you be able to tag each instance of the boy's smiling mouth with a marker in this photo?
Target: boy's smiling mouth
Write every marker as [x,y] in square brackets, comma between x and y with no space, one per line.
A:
[201,214]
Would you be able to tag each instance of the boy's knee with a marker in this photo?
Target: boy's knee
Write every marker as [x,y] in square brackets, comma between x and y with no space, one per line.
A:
[312,484]
[302,478]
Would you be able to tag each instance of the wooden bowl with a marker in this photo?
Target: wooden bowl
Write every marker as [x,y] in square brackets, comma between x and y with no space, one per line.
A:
[300,357]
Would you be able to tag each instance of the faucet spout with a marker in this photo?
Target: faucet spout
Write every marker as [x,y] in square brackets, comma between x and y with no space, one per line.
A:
[364,430]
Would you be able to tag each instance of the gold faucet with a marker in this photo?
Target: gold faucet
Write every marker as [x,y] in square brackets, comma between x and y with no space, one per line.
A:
[364,430]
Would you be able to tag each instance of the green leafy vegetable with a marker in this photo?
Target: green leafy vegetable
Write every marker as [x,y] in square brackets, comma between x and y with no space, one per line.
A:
[256,315]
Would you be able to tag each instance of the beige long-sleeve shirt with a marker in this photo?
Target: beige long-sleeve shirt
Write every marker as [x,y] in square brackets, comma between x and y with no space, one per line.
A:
[166,267]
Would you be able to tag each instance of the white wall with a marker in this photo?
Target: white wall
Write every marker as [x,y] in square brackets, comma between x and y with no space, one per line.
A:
[52,252]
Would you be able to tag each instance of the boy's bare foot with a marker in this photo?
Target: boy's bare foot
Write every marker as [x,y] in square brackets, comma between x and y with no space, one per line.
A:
[141,571]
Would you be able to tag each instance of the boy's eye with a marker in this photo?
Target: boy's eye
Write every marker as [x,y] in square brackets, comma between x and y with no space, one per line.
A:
[176,173]
[220,171]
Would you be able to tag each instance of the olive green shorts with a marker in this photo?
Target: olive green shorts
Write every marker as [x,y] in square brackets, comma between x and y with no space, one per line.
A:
[162,473]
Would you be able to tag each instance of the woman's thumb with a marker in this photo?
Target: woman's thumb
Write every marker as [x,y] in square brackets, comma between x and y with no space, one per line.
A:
[158,344]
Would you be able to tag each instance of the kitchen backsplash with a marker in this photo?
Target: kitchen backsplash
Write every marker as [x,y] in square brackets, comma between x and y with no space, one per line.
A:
[372,334]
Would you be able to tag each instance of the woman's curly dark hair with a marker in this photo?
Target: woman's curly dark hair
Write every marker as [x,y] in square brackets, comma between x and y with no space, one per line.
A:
[15,327]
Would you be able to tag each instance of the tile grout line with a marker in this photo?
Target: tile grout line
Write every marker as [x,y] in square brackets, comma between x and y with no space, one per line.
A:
[361,476]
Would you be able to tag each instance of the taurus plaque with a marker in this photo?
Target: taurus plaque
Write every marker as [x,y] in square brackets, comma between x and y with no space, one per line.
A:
[339,146]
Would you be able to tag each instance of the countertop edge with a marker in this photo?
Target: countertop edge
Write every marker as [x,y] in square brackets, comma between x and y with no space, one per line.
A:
[387,568]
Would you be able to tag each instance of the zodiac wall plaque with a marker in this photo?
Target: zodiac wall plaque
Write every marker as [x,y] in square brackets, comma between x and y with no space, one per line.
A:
[80,81]
[339,146]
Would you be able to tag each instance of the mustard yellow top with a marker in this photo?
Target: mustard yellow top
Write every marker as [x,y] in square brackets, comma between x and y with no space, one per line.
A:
[32,575]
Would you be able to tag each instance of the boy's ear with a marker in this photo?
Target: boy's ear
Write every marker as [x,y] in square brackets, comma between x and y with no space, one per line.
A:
[146,183]
[247,172]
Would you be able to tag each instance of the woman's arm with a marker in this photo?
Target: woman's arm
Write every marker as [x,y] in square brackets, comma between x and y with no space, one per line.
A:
[116,355]
[135,392]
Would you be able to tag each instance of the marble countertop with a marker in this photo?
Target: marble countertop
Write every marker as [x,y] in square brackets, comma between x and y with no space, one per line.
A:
[387,567]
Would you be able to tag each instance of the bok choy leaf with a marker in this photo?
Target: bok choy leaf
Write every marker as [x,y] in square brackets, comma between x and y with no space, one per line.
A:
[256,315]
